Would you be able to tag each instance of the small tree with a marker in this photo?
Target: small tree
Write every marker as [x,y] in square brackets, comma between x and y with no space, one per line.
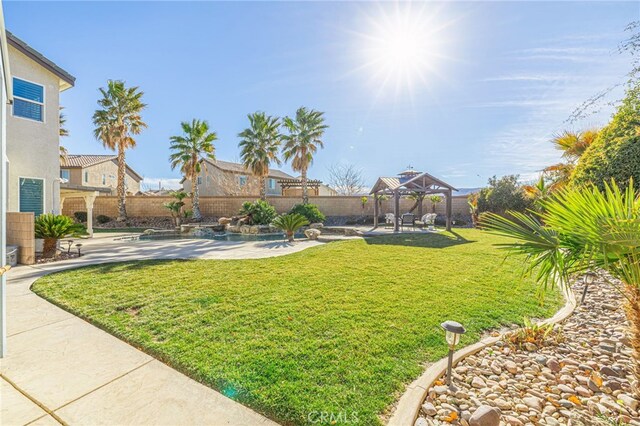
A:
[435,200]
[290,223]
[176,206]
[52,227]
[346,179]
[503,194]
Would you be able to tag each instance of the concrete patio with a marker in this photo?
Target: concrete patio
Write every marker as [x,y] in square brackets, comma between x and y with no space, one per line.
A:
[60,369]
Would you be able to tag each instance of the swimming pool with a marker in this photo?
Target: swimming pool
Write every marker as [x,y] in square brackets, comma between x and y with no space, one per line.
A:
[222,236]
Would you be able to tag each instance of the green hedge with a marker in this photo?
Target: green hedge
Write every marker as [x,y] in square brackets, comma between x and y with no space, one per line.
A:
[310,211]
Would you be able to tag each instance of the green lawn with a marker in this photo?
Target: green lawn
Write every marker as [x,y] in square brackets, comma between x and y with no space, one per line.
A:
[336,328]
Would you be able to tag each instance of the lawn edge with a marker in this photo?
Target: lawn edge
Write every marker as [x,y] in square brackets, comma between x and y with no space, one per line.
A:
[408,406]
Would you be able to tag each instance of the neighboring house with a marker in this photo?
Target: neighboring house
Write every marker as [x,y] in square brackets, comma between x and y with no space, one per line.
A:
[97,171]
[227,178]
[33,130]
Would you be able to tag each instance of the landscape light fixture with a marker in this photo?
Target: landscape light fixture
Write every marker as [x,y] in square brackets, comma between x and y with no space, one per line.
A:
[453,331]
[588,279]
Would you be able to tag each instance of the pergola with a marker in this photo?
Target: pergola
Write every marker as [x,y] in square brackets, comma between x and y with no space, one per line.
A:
[297,183]
[410,182]
[87,193]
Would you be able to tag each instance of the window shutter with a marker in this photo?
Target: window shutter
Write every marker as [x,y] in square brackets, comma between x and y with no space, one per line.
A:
[31,195]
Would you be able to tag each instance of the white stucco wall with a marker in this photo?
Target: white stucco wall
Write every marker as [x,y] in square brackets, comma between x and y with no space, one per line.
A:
[32,146]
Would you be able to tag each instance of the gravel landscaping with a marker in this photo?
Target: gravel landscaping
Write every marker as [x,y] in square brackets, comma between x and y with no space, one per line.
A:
[584,378]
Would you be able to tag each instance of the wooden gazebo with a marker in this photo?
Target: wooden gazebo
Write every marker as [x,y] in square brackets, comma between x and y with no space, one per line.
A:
[410,182]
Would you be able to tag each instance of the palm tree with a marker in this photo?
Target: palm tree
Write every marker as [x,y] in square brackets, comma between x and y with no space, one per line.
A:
[189,150]
[435,200]
[538,192]
[578,230]
[63,132]
[290,223]
[117,121]
[573,145]
[259,146]
[302,142]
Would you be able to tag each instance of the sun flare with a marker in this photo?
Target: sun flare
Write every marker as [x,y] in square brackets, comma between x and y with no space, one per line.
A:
[404,47]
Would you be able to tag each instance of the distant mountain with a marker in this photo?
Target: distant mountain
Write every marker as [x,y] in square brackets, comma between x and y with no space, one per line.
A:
[466,191]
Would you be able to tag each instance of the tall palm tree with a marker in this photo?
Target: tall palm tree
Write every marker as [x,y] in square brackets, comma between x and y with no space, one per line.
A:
[189,150]
[259,146]
[302,142]
[63,132]
[117,121]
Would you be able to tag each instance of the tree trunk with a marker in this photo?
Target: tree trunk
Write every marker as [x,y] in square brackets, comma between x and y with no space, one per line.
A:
[290,236]
[49,247]
[195,199]
[305,193]
[433,207]
[263,188]
[121,191]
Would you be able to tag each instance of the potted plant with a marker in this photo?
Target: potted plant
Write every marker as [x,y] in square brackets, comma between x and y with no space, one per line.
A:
[51,227]
[290,223]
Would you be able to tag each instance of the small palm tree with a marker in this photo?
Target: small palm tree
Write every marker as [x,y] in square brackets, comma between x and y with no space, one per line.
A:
[189,150]
[538,192]
[259,146]
[435,200]
[303,140]
[290,223]
[52,227]
[116,122]
[63,132]
[579,230]
[574,144]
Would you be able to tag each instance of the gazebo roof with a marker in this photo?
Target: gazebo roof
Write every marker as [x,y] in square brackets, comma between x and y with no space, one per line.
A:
[422,182]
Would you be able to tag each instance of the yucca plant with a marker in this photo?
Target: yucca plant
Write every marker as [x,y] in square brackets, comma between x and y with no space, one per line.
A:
[579,230]
[290,223]
[52,227]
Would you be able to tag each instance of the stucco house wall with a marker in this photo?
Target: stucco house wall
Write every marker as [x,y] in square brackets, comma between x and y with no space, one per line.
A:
[95,173]
[215,182]
[33,146]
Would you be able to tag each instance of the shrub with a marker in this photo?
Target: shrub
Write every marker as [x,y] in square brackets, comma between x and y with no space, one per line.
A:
[80,216]
[259,212]
[502,194]
[615,154]
[290,223]
[310,211]
[52,227]
[102,219]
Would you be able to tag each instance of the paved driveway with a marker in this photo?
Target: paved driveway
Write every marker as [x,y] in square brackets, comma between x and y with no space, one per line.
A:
[60,369]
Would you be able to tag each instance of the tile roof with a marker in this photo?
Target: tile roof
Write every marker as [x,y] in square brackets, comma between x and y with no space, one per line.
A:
[39,58]
[239,168]
[77,160]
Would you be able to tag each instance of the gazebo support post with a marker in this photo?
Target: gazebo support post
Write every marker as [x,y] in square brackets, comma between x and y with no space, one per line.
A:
[396,211]
[448,202]
[375,211]
[420,202]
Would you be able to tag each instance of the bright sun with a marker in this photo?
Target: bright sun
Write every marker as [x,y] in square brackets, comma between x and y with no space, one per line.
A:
[404,47]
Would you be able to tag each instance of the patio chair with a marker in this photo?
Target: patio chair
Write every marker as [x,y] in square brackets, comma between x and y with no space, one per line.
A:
[429,220]
[408,219]
[389,220]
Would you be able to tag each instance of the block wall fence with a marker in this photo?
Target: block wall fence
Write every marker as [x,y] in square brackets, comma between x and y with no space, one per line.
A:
[146,206]
[21,233]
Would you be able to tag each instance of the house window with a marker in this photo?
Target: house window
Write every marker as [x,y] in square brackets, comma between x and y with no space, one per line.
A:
[86,177]
[242,180]
[28,100]
[199,180]
[272,184]
[32,195]
[65,174]
[104,179]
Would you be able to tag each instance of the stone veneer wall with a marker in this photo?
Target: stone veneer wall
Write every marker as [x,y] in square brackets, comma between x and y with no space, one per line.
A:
[21,233]
[148,206]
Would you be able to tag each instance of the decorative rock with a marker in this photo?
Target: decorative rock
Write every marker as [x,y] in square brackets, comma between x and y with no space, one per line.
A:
[478,383]
[553,365]
[530,347]
[485,416]
[533,402]
[629,401]
[316,225]
[608,371]
[312,234]
[511,367]
[429,409]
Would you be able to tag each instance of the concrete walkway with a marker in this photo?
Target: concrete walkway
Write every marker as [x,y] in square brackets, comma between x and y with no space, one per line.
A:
[60,369]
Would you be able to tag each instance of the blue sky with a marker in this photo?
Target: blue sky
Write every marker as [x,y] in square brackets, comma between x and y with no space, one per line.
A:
[479,91]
